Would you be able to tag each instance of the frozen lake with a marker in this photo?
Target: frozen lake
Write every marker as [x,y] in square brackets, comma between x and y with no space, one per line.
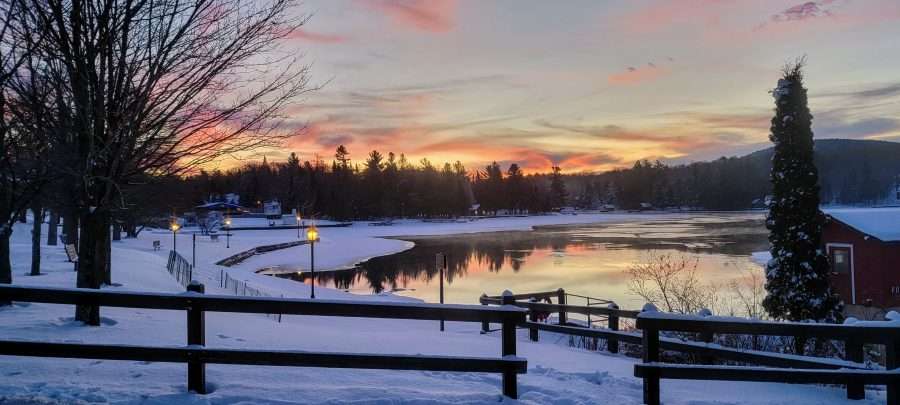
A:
[588,259]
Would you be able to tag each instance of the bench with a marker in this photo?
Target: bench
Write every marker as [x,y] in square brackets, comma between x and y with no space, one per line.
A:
[71,253]
[156,245]
[214,237]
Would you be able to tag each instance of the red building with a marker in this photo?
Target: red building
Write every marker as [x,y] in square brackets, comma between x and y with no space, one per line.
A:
[863,246]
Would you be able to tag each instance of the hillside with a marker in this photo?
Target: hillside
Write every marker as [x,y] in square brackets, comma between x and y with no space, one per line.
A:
[851,172]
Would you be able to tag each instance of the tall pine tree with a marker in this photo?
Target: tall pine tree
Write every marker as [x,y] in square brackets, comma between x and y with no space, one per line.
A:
[797,276]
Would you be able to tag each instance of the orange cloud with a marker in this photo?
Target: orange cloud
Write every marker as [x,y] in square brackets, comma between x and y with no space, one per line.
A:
[424,15]
[305,35]
[637,75]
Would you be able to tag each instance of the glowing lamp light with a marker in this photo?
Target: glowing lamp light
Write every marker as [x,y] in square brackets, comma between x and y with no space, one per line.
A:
[312,234]
[228,221]
[175,227]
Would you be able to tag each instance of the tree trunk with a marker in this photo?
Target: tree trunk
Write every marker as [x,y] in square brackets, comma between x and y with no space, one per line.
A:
[52,228]
[116,230]
[5,265]
[107,266]
[38,213]
[93,250]
[22,217]
[70,227]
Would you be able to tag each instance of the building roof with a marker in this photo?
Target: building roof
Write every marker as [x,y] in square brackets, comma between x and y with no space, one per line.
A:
[881,223]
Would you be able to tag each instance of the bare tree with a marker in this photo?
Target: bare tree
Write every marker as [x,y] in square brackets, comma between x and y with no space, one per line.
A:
[748,294]
[22,173]
[159,87]
[671,281]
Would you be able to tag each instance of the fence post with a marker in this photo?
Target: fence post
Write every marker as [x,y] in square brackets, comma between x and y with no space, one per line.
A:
[561,300]
[510,386]
[853,351]
[892,361]
[650,351]
[706,336]
[196,336]
[532,317]
[612,344]
[485,325]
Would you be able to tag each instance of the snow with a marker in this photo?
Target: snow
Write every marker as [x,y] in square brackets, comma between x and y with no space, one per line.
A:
[557,373]
[882,223]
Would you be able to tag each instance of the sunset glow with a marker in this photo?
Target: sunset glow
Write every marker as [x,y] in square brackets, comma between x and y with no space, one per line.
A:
[586,85]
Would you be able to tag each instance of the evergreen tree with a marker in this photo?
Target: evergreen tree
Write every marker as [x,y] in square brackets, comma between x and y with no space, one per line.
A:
[557,188]
[797,276]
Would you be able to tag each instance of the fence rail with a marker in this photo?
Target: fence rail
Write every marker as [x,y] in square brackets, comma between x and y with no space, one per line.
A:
[196,304]
[704,328]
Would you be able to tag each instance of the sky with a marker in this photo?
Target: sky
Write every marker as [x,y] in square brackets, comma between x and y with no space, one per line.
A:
[586,85]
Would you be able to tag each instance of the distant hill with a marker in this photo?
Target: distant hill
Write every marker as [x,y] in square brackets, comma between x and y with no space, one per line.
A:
[851,171]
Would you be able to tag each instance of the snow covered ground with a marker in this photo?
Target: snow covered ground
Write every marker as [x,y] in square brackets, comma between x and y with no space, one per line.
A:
[556,372]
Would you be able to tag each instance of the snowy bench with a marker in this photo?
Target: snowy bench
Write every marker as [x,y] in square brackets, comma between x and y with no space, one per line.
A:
[196,355]
[71,253]
[795,368]
[156,245]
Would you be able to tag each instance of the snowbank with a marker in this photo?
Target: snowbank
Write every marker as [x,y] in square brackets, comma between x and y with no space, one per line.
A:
[556,372]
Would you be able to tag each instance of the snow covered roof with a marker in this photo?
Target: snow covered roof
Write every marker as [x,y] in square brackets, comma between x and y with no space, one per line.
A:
[881,223]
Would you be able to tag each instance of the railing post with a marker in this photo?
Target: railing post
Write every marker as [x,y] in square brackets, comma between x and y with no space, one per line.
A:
[508,348]
[650,350]
[485,325]
[532,317]
[706,336]
[853,350]
[892,361]
[612,344]
[561,300]
[196,336]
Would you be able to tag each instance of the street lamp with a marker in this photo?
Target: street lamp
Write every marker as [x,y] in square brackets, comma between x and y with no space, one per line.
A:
[228,232]
[174,227]
[312,235]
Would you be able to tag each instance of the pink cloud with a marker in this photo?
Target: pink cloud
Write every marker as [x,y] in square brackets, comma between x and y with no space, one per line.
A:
[305,35]
[637,75]
[425,15]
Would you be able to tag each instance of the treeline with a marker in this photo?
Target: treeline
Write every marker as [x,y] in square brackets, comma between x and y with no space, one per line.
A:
[380,186]
[390,186]
[851,172]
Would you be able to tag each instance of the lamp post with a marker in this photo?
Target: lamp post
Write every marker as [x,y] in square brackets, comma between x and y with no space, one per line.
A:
[174,227]
[228,232]
[312,235]
[298,224]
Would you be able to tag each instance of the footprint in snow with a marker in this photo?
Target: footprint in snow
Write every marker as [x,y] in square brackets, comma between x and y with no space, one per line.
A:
[221,336]
[13,374]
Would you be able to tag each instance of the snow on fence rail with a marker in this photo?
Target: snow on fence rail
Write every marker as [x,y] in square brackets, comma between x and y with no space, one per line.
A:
[851,371]
[196,355]
[179,268]
[695,334]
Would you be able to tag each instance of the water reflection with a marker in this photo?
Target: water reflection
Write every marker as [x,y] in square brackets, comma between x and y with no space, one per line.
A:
[585,259]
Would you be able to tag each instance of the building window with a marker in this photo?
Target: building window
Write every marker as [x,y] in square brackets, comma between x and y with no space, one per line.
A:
[840,259]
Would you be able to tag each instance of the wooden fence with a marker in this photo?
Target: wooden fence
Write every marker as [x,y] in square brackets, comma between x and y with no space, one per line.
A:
[800,369]
[180,268]
[696,335]
[196,304]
